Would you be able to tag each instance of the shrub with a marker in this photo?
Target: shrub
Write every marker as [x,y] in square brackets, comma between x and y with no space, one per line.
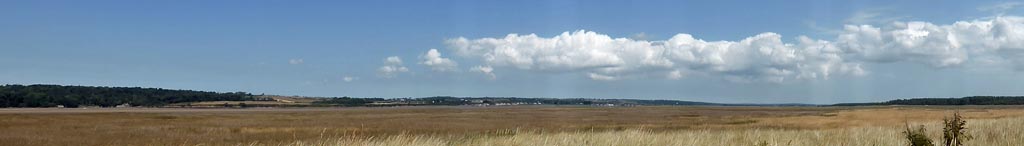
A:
[917,137]
[953,133]
[953,130]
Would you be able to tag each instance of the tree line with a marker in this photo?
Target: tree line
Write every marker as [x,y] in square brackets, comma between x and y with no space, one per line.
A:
[971,100]
[75,96]
[448,100]
[348,101]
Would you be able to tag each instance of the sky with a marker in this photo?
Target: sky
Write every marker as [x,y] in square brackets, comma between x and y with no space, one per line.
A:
[800,51]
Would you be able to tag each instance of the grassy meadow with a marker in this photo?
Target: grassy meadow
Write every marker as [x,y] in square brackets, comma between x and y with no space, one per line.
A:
[988,132]
[513,125]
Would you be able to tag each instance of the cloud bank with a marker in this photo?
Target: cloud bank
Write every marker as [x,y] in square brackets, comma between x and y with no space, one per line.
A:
[764,57]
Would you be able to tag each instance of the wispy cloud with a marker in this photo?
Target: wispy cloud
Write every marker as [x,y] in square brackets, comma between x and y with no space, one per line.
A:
[486,70]
[822,30]
[349,78]
[1001,8]
[640,36]
[873,16]
[295,61]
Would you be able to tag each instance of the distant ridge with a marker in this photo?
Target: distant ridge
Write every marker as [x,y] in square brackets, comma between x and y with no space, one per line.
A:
[970,100]
[75,96]
[98,96]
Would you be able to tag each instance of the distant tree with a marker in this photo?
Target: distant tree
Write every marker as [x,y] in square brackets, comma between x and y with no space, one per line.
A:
[972,100]
[346,101]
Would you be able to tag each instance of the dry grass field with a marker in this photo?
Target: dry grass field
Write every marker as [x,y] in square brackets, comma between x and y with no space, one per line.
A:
[988,132]
[518,125]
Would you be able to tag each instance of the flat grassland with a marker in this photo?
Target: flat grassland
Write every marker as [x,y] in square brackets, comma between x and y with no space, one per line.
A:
[512,125]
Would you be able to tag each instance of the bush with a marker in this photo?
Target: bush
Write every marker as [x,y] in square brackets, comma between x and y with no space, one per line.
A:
[953,130]
[953,133]
[917,137]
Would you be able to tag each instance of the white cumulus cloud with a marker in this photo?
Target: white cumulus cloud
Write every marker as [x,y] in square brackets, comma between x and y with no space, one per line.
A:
[911,41]
[392,66]
[434,60]
[1001,37]
[765,57]
[601,57]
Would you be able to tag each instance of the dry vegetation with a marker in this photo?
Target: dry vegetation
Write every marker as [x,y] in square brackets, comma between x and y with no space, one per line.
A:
[534,125]
[992,132]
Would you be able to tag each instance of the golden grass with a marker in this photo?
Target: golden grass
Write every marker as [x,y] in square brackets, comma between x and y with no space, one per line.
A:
[470,125]
[990,132]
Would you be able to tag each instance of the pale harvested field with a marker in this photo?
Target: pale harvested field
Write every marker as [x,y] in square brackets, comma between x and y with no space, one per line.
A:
[528,125]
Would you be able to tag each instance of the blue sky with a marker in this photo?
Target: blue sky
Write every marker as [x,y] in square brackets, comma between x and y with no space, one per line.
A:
[341,48]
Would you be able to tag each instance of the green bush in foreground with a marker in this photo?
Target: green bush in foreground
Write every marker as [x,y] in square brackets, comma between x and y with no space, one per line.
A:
[953,130]
[953,133]
[917,137]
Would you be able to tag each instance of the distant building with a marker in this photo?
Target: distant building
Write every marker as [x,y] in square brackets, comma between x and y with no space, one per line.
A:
[283,100]
[476,101]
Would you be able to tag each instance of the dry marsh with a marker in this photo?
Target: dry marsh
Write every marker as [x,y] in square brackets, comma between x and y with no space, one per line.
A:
[527,125]
[989,132]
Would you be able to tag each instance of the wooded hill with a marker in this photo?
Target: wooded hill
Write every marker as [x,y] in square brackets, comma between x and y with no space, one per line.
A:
[971,100]
[75,96]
